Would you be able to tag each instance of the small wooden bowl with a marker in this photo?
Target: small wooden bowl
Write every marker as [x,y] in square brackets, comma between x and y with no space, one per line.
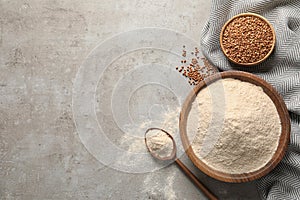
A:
[282,111]
[254,15]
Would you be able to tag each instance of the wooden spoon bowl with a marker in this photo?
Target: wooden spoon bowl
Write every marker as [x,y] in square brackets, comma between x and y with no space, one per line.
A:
[283,140]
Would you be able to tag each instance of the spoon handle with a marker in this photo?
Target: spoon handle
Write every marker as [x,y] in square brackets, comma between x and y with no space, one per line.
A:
[195,180]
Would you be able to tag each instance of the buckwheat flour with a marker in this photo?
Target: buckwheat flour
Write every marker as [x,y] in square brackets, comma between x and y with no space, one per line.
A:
[239,125]
[159,143]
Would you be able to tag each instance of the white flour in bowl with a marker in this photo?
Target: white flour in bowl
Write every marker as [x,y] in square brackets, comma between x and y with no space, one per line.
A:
[236,129]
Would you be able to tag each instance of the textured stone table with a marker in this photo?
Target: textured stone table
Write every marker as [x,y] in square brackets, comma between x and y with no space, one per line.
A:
[42,46]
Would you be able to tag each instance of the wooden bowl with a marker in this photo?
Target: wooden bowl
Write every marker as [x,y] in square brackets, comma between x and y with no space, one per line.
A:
[254,15]
[281,109]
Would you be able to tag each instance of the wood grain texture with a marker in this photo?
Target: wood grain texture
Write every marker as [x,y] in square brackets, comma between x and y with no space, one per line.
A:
[281,109]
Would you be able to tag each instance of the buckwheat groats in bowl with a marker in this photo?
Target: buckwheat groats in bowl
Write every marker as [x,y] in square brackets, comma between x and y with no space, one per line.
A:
[247,39]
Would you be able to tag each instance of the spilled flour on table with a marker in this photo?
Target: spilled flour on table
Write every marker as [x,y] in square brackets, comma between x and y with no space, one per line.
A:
[135,154]
[134,138]
[163,190]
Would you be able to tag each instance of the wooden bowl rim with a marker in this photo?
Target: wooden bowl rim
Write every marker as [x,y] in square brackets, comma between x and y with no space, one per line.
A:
[283,140]
[248,14]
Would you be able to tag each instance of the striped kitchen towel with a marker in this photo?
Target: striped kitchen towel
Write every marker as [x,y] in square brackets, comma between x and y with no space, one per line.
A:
[281,70]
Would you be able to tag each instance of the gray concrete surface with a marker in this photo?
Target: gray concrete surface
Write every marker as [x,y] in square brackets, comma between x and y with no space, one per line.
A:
[42,46]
